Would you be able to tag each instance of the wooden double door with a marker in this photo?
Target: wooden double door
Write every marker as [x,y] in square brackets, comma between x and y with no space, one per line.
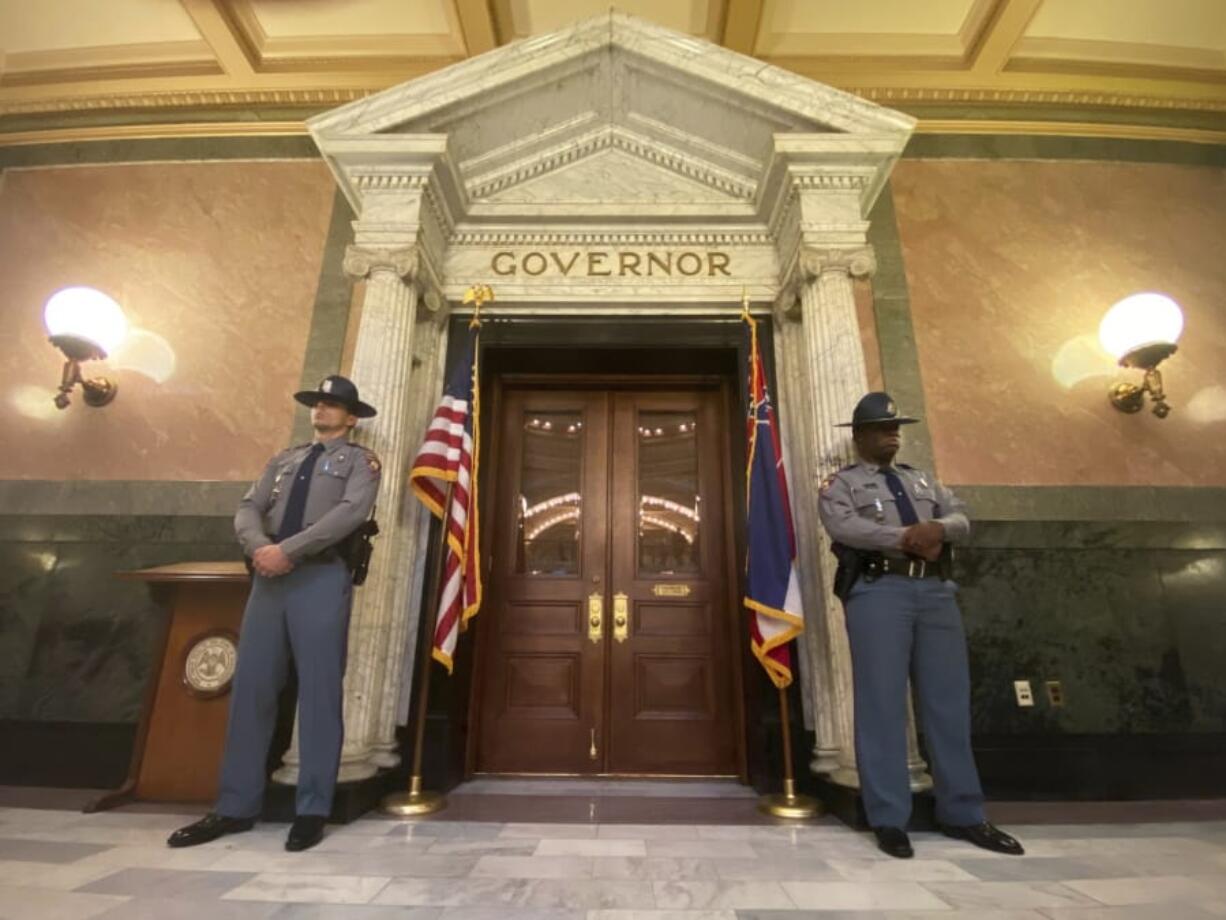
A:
[606,643]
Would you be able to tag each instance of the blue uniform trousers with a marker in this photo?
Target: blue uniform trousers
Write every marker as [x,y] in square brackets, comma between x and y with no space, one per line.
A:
[306,613]
[900,626]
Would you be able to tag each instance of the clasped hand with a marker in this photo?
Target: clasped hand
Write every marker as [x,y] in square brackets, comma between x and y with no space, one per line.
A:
[271,561]
[925,540]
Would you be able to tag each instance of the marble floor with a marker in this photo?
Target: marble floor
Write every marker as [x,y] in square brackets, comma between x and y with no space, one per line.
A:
[59,864]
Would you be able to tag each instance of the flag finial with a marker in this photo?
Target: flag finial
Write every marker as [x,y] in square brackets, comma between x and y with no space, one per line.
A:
[477,295]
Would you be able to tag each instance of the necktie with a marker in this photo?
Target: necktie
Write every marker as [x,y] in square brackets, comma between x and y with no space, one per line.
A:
[906,510]
[291,523]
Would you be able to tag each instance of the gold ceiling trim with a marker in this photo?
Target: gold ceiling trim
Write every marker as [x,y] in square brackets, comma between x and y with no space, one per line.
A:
[892,95]
[186,99]
[1069,129]
[883,95]
[154,132]
[945,126]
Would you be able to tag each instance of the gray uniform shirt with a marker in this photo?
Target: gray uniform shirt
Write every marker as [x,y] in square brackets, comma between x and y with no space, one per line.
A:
[342,493]
[858,510]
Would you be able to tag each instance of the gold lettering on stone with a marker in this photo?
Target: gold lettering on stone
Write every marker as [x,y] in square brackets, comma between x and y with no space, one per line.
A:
[564,267]
[538,266]
[691,259]
[665,263]
[503,263]
[601,263]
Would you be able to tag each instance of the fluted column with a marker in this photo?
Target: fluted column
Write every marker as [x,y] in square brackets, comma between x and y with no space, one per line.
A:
[792,375]
[382,365]
[425,387]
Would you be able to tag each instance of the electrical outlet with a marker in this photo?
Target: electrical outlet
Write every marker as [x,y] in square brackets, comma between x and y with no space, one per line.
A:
[1021,688]
[1055,693]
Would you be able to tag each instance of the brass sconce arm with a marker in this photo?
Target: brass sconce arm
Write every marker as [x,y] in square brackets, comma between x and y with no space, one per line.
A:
[97,391]
[1129,397]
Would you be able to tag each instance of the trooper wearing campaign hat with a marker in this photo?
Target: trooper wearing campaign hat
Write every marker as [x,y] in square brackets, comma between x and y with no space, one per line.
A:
[290,524]
[892,526]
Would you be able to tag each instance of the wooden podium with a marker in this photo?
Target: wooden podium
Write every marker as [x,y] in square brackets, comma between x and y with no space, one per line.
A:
[177,753]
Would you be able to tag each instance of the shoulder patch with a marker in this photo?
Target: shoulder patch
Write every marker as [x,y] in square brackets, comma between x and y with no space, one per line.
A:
[372,460]
[827,483]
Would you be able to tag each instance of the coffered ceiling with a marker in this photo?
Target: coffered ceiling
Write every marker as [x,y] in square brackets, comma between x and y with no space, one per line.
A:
[132,67]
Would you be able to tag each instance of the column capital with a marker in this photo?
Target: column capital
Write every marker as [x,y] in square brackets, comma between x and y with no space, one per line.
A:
[362,262]
[860,262]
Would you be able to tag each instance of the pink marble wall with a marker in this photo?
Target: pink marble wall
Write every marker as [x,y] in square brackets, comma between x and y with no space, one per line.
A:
[1011,265]
[219,260]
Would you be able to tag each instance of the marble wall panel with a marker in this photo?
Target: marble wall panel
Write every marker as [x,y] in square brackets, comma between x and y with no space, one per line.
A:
[217,263]
[1134,634]
[75,641]
[1010,267]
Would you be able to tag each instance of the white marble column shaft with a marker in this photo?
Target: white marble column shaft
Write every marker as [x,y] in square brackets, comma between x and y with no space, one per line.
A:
[425,386]
[792,375]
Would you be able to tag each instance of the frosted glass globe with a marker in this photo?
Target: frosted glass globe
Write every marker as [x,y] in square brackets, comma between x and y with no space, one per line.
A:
[1142,319]
[86,313]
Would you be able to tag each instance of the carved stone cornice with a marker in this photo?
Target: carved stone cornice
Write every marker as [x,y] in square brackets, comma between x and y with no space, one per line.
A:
[860,262]
[362,262]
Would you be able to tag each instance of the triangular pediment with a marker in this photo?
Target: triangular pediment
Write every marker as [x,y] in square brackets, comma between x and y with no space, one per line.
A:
[611,118]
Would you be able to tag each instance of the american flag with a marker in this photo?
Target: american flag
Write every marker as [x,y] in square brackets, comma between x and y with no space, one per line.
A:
[444,478]
[772,590]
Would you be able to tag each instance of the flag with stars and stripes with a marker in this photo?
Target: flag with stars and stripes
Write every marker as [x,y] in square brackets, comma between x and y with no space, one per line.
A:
[444,478]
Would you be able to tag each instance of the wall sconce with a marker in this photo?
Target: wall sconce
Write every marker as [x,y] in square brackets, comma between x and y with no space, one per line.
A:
[1141,331]
[85,325]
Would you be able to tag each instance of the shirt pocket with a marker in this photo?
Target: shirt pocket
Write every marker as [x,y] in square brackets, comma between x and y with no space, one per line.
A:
[925,500]
[876,508]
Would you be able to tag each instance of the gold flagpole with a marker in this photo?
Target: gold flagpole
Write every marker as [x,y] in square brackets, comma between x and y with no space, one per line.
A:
[417,801]
[788,804]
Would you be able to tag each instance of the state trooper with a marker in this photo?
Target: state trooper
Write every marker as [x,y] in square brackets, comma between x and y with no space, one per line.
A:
[291,524]
[892,526]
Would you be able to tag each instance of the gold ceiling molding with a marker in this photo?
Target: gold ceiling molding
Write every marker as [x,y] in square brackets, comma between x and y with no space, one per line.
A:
[946,126]
[197,129]
[187,99]
[1069,129]
[896,95]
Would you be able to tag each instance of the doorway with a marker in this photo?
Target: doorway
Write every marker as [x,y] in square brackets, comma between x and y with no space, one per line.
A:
[607,636]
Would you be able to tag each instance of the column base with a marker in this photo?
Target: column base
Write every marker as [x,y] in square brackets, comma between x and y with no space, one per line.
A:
[826,761]
[350,801]
[847,777]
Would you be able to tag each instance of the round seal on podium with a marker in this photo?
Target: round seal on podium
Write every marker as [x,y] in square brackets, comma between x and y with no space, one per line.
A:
[209,663]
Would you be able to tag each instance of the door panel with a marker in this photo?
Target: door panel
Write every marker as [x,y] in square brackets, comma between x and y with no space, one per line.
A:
[613,498]
[543,690]
[670,679]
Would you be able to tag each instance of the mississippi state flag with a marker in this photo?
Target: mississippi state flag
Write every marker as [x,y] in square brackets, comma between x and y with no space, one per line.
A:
[444,478]
[772,590]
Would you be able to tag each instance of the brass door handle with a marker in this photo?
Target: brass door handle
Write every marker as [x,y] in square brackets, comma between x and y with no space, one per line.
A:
[595,616]
[621,617]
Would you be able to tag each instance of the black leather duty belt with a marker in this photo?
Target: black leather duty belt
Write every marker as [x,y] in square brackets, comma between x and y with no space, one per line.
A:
[910,568]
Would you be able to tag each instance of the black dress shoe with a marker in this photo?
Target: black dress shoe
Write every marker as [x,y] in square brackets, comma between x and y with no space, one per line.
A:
[305,832]
[210,827]
[986,836]
[893,841]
